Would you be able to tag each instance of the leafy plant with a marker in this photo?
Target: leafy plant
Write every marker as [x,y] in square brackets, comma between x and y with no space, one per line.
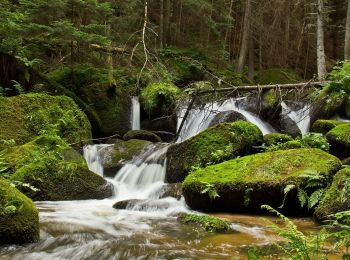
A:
[315,182]
[211,190]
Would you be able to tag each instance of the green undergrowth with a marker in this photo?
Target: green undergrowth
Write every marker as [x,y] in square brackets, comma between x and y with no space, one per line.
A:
[209,223]
[24,117]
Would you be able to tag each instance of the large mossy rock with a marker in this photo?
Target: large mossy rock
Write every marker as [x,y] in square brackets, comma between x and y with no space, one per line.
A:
[227,117]
[337,197]
[216,144]
[246,183]
[324,126]
[339,139]
[24,117]
[142,135]
[114,157]
[19,218]
[55,170]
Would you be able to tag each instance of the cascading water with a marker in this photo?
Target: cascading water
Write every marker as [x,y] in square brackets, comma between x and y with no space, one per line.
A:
[92,155]
[135,114]
[300,116]
[199,118]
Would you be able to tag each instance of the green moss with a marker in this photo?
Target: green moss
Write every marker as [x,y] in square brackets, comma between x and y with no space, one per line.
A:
[19,218]
[324,126]
[209,223]
[277,76]
[276,138]
[158,98]
[270,99]
[142,135]
[271,166]
[25,116]
[60,180]
[340,134]
[125,151]
[216,144]
[337,197]
[247,183]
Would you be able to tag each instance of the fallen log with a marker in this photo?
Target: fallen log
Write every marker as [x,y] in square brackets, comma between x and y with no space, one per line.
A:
[263,87]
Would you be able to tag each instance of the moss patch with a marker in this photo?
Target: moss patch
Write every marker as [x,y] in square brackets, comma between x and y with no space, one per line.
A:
[25,116]
[337,197]
[277,76]
[324,126]
[159,98]
[247,183]
[19,218]
[209,223]
[276,138]
[339,139]
[216,144]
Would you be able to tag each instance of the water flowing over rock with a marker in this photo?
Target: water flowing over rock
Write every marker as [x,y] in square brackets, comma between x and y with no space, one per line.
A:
[135,114]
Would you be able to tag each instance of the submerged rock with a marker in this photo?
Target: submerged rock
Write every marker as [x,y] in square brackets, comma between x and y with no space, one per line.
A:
[244,184]
[216,144]
[142,135]
[227,117]
[26,116]
[339,139]
[208,223]
[124,204]
[19,218]
[142,205]
[337,197]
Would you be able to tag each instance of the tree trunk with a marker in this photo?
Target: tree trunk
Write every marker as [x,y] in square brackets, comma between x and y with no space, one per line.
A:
[347,35]
[161,24]
[251,63]
[245,38]
[321,56]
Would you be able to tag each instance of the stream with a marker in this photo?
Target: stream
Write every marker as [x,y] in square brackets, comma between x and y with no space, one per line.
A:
[149,229]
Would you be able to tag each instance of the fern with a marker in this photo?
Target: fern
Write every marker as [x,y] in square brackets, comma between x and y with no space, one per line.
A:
[315,198]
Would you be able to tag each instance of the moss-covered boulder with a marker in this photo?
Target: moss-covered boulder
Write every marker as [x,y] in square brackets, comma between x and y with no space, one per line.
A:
[227,117]
[142,135]
[244,184]
[339,139]
[19,218]
[54,170]
[277,76]
[114,157]
[208,223]
[24,117]
[276,138]
[324,126]
[159,98]
[337,197]
[216,144]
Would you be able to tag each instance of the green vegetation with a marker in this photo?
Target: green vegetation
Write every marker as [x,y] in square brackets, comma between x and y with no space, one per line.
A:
[324,126]
[19,218]
[142,135]
[159,98]
[266,175]
[337,197]
[310,140]
[276,138]
[209,223]
[24,117]
[339,138]
[216,144]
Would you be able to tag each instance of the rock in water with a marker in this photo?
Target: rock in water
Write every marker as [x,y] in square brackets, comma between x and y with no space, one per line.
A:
[142,135]
[227,117]
[247,183]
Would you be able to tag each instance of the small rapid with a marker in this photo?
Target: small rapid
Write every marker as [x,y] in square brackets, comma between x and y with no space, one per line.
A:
[135,119]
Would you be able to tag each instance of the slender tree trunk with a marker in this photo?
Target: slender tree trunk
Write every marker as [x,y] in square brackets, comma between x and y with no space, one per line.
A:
[251,64]
[347,35]
[245,38]
[287,34]
[321,56]
[167,13]
[161,24]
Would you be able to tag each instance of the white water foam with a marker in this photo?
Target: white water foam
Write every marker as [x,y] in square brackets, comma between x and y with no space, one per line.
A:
[300,116]
[135,114]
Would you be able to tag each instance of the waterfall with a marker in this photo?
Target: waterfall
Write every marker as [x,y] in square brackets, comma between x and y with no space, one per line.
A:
[199,118]
[92,155]
[135,114]
[300,116]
